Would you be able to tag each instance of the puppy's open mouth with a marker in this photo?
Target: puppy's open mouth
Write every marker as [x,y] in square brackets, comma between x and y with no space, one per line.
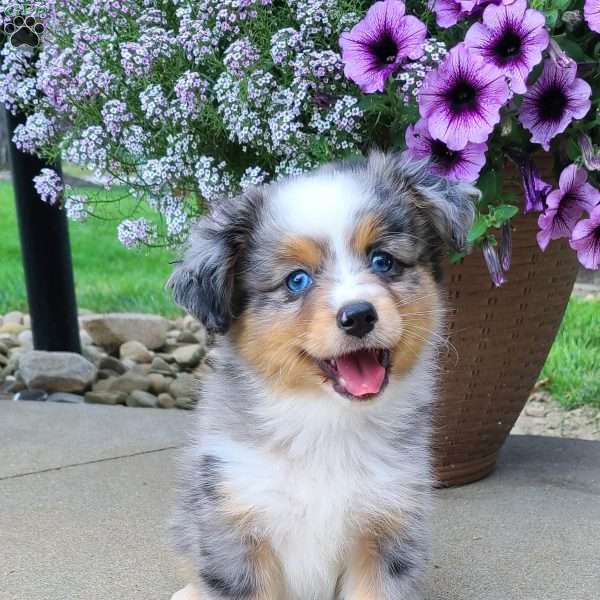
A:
[358,375]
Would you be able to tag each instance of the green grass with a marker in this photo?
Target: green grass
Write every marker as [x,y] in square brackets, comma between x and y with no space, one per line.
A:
[108,277]
[573,366]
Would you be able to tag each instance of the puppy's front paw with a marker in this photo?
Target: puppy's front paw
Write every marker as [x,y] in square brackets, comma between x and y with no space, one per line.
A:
[189,592]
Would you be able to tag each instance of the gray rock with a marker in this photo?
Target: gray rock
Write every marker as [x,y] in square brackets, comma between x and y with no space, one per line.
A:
[185,403]
[93,354]
[25,339]
[128,382]
[135,351]
[31,396]
[184,386]
[3,349]
[103,397]
[85,338]
[166,401]
[65,397]
[56,371]
[112,330]
[8,340]
[159,365]
[15,317]
[189,356]
[106,373]
[186,337]
[142,399]
[112,364]
[168,358]
[3,361]
[158,383]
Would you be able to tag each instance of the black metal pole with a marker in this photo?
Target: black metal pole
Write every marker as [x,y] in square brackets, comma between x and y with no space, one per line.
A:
[46,255]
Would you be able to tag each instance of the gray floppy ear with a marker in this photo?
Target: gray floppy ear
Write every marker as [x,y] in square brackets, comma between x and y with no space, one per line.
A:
[448,206]
[204,283]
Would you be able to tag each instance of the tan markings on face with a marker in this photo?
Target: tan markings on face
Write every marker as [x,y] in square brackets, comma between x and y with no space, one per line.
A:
[419,310]
[368,231]
[272,344]
[302,250]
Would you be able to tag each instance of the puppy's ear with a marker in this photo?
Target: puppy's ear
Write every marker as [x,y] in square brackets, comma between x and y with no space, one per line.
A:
[448,206]
[204,283]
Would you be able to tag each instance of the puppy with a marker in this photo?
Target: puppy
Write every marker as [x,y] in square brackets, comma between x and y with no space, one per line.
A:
[309,473]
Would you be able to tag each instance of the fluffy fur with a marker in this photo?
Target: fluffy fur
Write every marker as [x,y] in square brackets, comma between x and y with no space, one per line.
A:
[288,489]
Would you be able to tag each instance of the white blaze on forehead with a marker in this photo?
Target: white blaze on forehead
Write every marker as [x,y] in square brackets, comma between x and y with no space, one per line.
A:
[326,207]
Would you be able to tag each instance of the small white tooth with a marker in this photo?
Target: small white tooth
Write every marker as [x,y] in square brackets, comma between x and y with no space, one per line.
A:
[342,382]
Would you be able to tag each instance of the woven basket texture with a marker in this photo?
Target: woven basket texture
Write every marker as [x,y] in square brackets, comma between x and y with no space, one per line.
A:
[499,340]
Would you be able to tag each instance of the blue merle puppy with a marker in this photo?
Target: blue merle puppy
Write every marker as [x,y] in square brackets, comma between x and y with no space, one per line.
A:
[308,476]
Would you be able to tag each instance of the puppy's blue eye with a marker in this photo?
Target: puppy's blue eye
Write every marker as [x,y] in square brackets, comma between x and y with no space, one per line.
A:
[298,281]
[381,262]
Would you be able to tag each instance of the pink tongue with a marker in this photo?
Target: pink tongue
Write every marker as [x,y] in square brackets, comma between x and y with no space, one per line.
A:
[361,373]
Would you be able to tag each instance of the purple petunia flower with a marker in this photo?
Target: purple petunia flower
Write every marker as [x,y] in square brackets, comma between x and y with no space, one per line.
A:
[512,38]
[450,12]
[586,240]
[553,101]
[590,157]
[461,99]
[565,205]
[377,46]
[456,165]
[591,12]
[535,189]
[490,255]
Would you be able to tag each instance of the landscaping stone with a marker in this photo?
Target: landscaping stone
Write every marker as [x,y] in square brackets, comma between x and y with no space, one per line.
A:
[189,356]
[31,396]
[104,397]
[135,351]
[158,383]
[159,365]
[65,397]
[15,317]
[25,339]
[3,349]
[12,328]
[112,330]
[184,386]
[56,371]
[113,364]
[186,337]
[8,340]
[142,399]
[185,403]
[128,382]
[3,361]
[93,354]
[85,338]
[166,401]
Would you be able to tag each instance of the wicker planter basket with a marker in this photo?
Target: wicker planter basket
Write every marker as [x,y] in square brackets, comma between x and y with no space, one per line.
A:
[502,337]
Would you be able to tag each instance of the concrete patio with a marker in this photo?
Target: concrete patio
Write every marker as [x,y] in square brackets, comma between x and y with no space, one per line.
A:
[85,491]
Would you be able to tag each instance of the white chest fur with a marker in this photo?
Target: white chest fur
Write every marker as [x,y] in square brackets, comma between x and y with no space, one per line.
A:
[330,470]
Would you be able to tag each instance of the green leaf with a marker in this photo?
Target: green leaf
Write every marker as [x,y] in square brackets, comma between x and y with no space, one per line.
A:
[454,256]
[478,229]
[504,212]
[561,5]
[572,48]
[551,17]
[488,185]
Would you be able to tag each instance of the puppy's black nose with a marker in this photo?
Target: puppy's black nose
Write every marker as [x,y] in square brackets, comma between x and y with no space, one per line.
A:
[357,319]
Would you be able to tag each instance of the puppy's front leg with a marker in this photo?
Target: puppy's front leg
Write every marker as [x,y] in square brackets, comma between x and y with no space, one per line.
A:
[386,566]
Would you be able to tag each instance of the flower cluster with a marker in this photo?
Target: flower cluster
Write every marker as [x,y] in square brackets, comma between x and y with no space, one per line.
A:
[183,103]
